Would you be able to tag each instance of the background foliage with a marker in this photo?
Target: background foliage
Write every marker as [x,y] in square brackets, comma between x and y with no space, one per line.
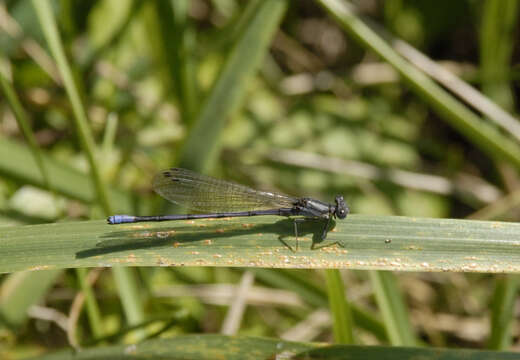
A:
[311,98]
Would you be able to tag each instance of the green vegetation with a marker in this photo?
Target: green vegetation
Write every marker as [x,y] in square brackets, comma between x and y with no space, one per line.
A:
[408,109]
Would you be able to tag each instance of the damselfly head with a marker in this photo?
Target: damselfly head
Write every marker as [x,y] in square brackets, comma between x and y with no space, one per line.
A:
[342,209]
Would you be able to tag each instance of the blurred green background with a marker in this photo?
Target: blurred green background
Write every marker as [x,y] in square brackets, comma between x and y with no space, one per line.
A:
[276,95]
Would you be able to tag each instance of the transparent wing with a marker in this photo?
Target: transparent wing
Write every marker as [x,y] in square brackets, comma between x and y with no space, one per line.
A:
[206,194]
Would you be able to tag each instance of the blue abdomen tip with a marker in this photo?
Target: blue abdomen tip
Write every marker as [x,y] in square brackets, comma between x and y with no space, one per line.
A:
[120,219]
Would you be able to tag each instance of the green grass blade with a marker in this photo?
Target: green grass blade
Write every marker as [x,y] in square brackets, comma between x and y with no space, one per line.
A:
[231,85]
[20,291]
[293,281]
[339,308]
[177,38]
[502,312]
[472,96]
[315,296]
[342,352]
[456,114]
[109,136]
[130,297]
[370,242]
[211,347]
[50,30]
[115,33]
[65,180]
[193,347]
[23,122]
[93,311]
[393,309]
[499,19]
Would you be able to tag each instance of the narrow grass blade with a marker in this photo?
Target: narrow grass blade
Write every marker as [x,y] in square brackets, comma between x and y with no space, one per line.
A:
[11,27]
[472,96]
[177,38]
[295,282]
[339,308]
[211,347]
[109,136]
[456,114]
[393,309]
[503,312]
[130,297]
[65,180]
[94,314]
[193,347]
[23,122]
[111,40]
[497,41]
[22,290]
[467,188]
[499,19]
[50,30]
[360,242]
[342,352]
[52,36]
[231,85]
